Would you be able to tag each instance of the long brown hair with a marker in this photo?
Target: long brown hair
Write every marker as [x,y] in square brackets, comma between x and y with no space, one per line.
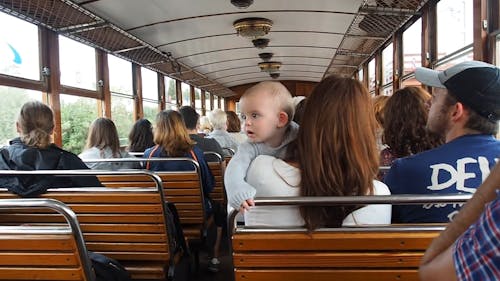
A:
[233,122]
[405,122]
[102,134]
[171,134]
[36,124]
[336,147]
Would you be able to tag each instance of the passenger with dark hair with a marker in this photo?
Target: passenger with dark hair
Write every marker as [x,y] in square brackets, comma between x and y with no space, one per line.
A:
[379,103]
[465,109]
[103,143]
[300,105]
[409,135]
[191,118]
[34,150]
[141,136]
[234,127]
[335,154]
[172,140]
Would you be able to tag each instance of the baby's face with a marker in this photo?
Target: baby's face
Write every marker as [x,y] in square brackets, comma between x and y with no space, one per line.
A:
[260,114]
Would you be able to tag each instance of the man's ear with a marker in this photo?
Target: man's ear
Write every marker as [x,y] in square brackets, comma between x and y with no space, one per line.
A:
[458,112]
[282,119]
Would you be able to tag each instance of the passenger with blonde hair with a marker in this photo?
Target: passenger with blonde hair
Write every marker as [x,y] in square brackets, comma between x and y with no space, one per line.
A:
[103,143]
[34,150]
[379,103]
[335,154]
[234,127]
[267,110]
[218,119]
[205,125]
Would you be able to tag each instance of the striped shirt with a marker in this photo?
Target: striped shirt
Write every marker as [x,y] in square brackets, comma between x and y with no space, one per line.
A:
[477,252]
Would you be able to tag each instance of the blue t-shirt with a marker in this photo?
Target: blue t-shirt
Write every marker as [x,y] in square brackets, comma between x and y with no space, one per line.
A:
[459,166]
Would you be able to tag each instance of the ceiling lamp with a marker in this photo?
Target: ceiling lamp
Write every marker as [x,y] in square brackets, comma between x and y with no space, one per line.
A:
[242,4]
[274,75]
[260,43]
[252,27]
[270,66]
[266,56]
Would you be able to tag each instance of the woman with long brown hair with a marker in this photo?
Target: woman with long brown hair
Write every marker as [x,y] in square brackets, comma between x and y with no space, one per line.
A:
[336,155]
[405,131]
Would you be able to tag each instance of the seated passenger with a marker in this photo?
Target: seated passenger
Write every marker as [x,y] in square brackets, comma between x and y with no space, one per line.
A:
[172,140]
[465,108]
[405,119]
[103,143]
[379,103]
[34,150]
[234,127]
[141,136]
[469,247]
[218,119]
[336,155]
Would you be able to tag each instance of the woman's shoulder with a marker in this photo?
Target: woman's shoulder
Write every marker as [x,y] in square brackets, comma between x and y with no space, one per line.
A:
[89,153]
[380,188]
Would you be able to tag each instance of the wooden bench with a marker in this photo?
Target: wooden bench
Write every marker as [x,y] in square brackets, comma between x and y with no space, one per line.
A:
[30,251]
[371,253]
[218,168]
[127,224]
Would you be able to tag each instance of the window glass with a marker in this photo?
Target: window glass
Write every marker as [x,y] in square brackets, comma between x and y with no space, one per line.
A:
[78,64]
[77,113]
[150,110]
[19,54]
[410,81]
[171,99]
[12,101]
[360,75]
[197,99]
[122,112]
[412,47]
[120,75]
[186,93]
[467,56]
[497,51]
[387,68]
[454,25]
[207,101]
[149,84]
[371,75]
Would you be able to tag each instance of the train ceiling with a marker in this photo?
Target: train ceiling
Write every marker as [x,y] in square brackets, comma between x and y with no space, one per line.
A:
[195,41]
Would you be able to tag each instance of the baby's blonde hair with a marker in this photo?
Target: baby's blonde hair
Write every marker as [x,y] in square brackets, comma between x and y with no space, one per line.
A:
[278,92]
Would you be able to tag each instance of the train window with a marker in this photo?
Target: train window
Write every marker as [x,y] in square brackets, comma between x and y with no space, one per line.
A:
[497,51]
[412,47]
[360,75]
[466,55]
[454,25]
[19,54]
[77,113]
[387,60]
[149,93]
[197,100]
[186,94]
[12,100]
[170,96]
[77,63]
[207,101]
[371,76]
[122,103]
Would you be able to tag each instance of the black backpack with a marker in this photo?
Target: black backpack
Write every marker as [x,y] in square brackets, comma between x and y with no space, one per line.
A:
[108,269]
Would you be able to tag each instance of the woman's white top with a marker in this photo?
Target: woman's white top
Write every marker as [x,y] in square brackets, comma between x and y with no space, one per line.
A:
[273,177]
[106,153]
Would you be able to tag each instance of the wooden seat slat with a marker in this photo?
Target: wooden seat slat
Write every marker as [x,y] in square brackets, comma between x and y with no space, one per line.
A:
[37,273]
[130,247]
[35,242]
[37,259]
[132,228]
[84,218]
[124,237]
[329,260]
[326,275]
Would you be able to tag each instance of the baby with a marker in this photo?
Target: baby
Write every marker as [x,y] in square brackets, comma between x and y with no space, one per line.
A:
[267,111]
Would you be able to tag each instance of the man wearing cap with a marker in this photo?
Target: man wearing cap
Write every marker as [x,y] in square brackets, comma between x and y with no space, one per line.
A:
[465,108]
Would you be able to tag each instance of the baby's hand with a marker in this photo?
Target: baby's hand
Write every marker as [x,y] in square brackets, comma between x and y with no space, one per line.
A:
[245,206]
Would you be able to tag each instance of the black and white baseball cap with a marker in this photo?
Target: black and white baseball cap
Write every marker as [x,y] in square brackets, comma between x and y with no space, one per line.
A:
[473,83]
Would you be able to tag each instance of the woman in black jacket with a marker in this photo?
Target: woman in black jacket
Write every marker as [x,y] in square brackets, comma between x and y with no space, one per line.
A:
[34,150]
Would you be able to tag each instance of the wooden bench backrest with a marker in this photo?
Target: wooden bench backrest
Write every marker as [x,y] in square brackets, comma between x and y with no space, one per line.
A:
[184,189]
[125,224]
[328,255]
[42,252]
[217,166]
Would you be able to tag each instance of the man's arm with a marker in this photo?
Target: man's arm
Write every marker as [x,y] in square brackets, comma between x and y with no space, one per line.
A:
[441,268]
[469,214]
